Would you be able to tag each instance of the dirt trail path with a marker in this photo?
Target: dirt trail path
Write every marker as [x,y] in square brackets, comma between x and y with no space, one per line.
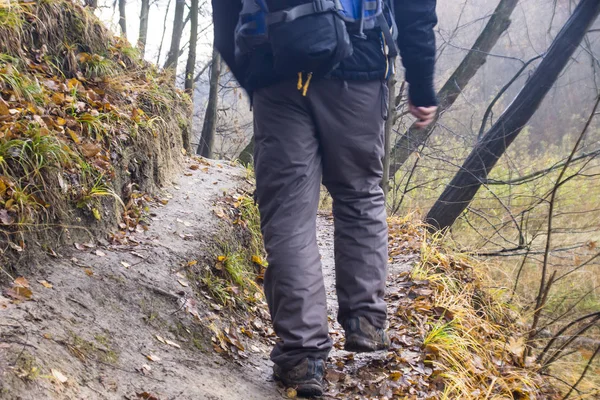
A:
[112,325]
[108,306]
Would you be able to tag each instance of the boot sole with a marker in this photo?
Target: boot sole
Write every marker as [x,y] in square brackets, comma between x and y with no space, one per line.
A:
[303,389]
[359,344]
[309,390]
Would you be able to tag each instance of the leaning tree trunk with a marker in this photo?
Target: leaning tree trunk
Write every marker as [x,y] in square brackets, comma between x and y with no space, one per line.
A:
[123,18]
[474,172]
[207,139]
[173,56]
[496,26]
[143,32]
[191,61]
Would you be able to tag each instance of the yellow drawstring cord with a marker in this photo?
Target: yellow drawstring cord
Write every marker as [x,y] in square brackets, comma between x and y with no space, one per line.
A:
[303,86]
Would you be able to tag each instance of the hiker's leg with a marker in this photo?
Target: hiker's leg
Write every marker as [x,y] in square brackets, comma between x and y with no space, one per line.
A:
[288,176]
[350,120]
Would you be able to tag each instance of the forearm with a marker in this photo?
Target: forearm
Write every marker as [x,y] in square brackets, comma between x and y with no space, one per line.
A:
[416,41]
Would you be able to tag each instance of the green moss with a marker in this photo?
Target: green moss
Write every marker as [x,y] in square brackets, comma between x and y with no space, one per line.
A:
[102,351]
[27,367]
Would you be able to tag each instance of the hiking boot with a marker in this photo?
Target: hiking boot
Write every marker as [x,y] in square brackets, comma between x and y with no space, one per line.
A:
[306,377]
[362,337]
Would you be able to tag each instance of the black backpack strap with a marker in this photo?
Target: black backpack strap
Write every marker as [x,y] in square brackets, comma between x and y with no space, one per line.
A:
[315,7]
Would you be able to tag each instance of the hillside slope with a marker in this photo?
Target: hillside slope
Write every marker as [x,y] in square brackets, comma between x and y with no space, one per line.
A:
[86,127]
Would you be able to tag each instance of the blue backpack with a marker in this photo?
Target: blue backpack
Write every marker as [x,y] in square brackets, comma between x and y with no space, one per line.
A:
[311,36]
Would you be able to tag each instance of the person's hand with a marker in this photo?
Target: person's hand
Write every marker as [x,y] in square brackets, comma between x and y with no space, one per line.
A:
[424,115]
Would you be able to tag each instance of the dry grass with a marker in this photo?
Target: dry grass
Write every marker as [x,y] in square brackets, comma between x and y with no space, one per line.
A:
[478,344]
[81,117]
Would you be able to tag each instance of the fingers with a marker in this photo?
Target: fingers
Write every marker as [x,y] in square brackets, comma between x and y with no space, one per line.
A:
[424,115]
[420,124]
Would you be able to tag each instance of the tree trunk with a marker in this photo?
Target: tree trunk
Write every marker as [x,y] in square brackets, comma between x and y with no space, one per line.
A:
[496,26]
[143,33]
[207,139]
[246,157]
[474,172]
[123,18]
[93,4]
[191,61]
[173,56]
[162,37]
[389,125]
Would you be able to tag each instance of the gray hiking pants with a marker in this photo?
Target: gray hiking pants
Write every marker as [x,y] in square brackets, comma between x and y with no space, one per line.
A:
[334,134]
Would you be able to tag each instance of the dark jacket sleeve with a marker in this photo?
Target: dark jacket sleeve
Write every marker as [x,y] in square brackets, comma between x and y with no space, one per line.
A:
[416,40]
[225,17]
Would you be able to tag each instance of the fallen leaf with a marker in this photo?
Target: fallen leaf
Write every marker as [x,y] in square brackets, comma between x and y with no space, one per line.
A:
[52,253]
[152,357]
[46,284]
[89,271]
[6,218]
[59,376]
[183,283]
[15,247]
[125,264]
[90,149]
[170,343]
[194,167]
[247,333]
[516,346]
[146,396]
[146,369]
[3,108]
[20,290]
[442,312]
[84,57]
[20,281]
[257,260]
[161,339]
[100,253]
[395,375]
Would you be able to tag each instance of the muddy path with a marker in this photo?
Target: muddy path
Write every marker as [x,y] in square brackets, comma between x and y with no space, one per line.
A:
[119,320]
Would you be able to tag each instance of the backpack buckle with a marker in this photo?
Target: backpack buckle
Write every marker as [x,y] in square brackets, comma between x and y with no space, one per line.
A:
[316,7]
